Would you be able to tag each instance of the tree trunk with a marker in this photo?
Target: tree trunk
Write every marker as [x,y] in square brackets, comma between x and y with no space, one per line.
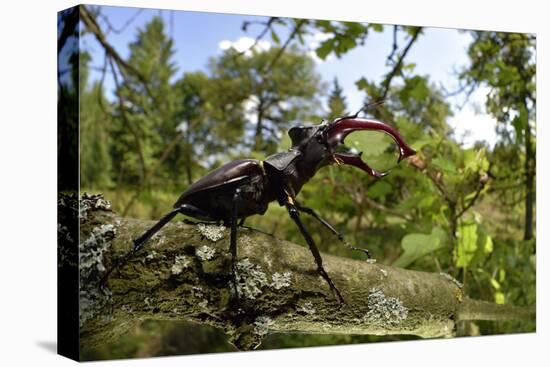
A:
[184,274]
[529,177]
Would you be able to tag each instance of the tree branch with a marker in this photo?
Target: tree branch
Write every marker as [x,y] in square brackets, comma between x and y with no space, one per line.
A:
[397,67]
[125,68]
[260,36]
[293,34]
[184,274]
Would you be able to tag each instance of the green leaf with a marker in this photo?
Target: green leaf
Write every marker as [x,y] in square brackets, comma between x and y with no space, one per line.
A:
[417,245]
[474,244]
[362,84]
[519,126]
[325,48]
[377,27]
[274,37]
[494,283]
[467,244]
[420,143]
[324,24]
[444,164]
[500,298]
[488,247]
[346,44]
[410,67]
[379,189]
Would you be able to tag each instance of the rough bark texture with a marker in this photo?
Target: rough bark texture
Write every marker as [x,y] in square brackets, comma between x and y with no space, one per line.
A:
[184,274]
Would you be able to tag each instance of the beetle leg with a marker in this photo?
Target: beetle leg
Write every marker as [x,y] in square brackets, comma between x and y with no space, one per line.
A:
[138,244]
[295,215]
[233,242]
[340,236]
[194,212]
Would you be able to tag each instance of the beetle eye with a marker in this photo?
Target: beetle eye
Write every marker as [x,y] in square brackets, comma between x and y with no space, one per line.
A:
[376,148]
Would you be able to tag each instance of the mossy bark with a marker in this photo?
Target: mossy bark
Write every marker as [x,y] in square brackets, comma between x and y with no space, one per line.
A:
[184,274]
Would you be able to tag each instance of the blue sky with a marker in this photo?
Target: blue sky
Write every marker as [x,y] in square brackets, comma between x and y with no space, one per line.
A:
[438,53]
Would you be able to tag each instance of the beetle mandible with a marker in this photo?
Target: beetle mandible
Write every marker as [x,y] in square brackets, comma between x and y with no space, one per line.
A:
[245,187]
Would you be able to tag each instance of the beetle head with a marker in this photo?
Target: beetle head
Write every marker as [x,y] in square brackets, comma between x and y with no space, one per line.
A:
[300,135]
[336,132]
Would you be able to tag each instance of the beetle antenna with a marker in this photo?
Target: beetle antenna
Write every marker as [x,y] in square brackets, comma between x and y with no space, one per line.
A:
[368,105]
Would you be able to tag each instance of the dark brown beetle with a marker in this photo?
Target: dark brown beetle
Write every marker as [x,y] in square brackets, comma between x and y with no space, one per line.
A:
[245,187]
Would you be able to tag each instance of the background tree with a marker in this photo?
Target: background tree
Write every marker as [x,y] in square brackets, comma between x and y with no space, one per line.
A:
[505,62]
[276,94]
[95,135]
[337,101]
[149,114]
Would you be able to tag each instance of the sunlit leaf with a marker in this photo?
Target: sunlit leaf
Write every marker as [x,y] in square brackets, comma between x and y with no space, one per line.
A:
[488,248]
[361,83]
[421,143]
[377,27]
[500,298]
[417,245]
[274,37]
[444,164]
[467,244]
[325,48]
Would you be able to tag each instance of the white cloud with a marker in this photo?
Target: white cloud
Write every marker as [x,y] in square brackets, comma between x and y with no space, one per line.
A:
[321,36]
[244,44]
[250,106]
[473,123]
[470,127]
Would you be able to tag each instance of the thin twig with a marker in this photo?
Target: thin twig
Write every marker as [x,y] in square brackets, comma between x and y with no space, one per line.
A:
[110,26]
[397,67]
[260,35]
[394,45]
[472,201]
[101,81]
[295,31]
[124,67]
[122,108]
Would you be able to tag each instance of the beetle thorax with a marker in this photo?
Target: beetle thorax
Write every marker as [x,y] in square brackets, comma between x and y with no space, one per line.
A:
[313,156]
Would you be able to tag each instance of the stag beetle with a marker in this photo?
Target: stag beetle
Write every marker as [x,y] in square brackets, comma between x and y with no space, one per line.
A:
[245,187]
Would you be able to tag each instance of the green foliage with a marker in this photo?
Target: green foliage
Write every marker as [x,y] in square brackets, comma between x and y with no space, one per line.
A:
[345,36]
[148,115]
[505,62]
[278,89]
[473,246]
[336,101]
[447,209]
[95,139]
